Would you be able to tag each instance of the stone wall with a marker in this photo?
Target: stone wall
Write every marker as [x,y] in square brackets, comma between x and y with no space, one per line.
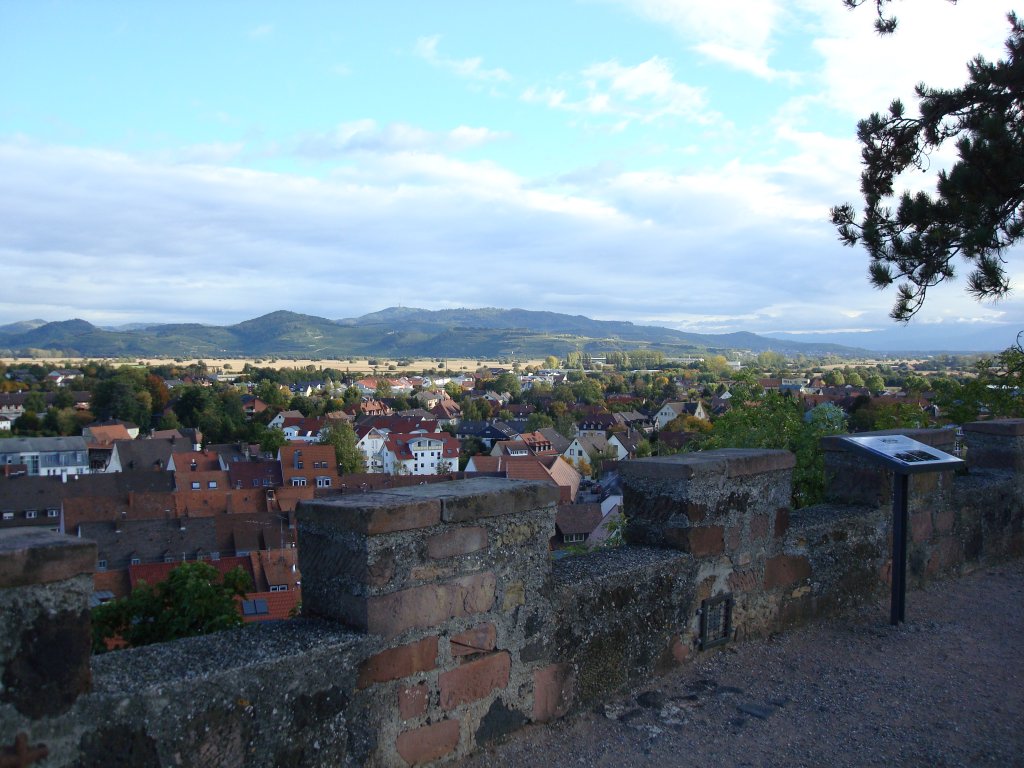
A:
[436,622]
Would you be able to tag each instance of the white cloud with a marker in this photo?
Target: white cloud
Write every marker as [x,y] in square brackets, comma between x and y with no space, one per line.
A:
[471,68]
[737,33]
[261,31]
[644,93]
[368,136]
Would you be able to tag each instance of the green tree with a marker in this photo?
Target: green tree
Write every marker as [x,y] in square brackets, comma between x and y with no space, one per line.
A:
[776,421]
[193,600]
[271,439]
[875,382]
[550,362]
[977,210]
[538,420]
[342,437]
[835,378]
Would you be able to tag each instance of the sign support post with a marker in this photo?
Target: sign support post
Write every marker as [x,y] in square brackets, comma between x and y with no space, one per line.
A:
[904,456]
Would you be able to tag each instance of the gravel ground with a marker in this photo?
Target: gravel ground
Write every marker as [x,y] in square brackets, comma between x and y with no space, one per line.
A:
[944,689]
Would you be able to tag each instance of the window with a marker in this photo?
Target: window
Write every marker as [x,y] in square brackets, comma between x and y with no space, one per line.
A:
[215,555]
[52,513]
[255,608]
[8,515]
[323,482]
[255,482]
[278,587]
[195,485]
[212,484]
[298,465]
[136,561]
[299,482]
[101,565]
[31,514]
[571,538]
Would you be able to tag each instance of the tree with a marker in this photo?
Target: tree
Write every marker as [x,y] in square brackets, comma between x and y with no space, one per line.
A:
[977,210]
[342,437]
[193,600]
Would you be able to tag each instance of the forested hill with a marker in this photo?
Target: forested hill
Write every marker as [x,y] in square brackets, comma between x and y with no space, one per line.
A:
[392,332]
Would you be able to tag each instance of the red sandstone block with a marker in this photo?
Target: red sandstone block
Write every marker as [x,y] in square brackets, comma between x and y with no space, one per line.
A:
[759,527]
[701,542]
[945,520]
[680,651]
[552,692]
[781,522]
[921,526]
[459,541]
[431,742]
[429,604]
[743,581]
[474,680]
[946,553]
[399,662]
[29,557]
[782,570]
[476,640]
[413,700]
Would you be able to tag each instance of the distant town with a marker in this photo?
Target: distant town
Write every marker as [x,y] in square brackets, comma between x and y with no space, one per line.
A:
[204,461]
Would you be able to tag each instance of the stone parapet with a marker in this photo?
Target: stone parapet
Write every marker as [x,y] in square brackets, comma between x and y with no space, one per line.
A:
[45,637]
[995,444]
[455,579]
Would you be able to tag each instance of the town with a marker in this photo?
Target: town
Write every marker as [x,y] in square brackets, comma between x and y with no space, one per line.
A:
[167,464]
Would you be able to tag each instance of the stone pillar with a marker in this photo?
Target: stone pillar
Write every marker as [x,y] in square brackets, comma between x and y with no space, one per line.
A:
[995,444]
[707,503]
[45,638]
[454,577]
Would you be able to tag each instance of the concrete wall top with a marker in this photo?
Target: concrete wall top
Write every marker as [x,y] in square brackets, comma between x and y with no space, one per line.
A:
[1003,427]
[30,557]
[730,462]
[943,439]
[423,506]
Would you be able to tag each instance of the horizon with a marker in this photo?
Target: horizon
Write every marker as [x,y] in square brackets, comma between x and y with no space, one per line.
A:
[887,344]
[660,163]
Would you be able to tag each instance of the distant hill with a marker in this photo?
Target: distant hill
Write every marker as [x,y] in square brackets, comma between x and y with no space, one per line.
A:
[393,332]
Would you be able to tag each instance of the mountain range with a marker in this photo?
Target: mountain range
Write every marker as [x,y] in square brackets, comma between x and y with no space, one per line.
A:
[394,332]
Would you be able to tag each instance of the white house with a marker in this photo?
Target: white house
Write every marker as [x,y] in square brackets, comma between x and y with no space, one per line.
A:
[436,453]
[673,410]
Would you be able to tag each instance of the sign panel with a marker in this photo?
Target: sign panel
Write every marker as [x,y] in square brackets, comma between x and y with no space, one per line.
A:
[903,454]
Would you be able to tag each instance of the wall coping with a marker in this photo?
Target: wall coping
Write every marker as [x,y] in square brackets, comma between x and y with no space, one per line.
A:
[1002,427]
[423,506]
[29,557]
[730,462]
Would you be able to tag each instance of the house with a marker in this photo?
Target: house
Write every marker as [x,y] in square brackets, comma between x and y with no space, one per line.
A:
[55,456]
[553,470]
[303,429]
[559,442]
[419,453]
[139,455]
[278,421]
[308,465]
[447,412]
[574,524]
[62,377]
[673,410]
[511,448]
[96,427]
[251,405]
[487,432]
[599,424]
[625,444]
[31,501]
[586,449]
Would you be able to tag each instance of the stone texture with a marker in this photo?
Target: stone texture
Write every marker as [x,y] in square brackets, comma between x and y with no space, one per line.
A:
[474,680]
[431,742]
[458,541]
[552,692]
[920,526]
[429,604]
[396,663]
[783,570]
[372,514]
[29,557]
[479,639]
[413,701]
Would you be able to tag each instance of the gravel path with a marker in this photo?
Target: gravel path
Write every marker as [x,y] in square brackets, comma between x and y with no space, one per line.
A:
[944,689]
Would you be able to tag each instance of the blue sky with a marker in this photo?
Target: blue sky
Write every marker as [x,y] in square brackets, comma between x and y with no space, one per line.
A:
[661,161]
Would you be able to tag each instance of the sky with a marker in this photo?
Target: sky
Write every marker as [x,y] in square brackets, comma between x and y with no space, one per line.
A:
[667,162]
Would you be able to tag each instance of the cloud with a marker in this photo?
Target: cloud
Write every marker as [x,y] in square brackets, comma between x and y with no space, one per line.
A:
[646,92]
[470,69]
[737,33]
[261,31]
[368,136]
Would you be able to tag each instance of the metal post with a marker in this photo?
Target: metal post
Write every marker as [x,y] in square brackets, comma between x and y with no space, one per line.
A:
[898,602]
